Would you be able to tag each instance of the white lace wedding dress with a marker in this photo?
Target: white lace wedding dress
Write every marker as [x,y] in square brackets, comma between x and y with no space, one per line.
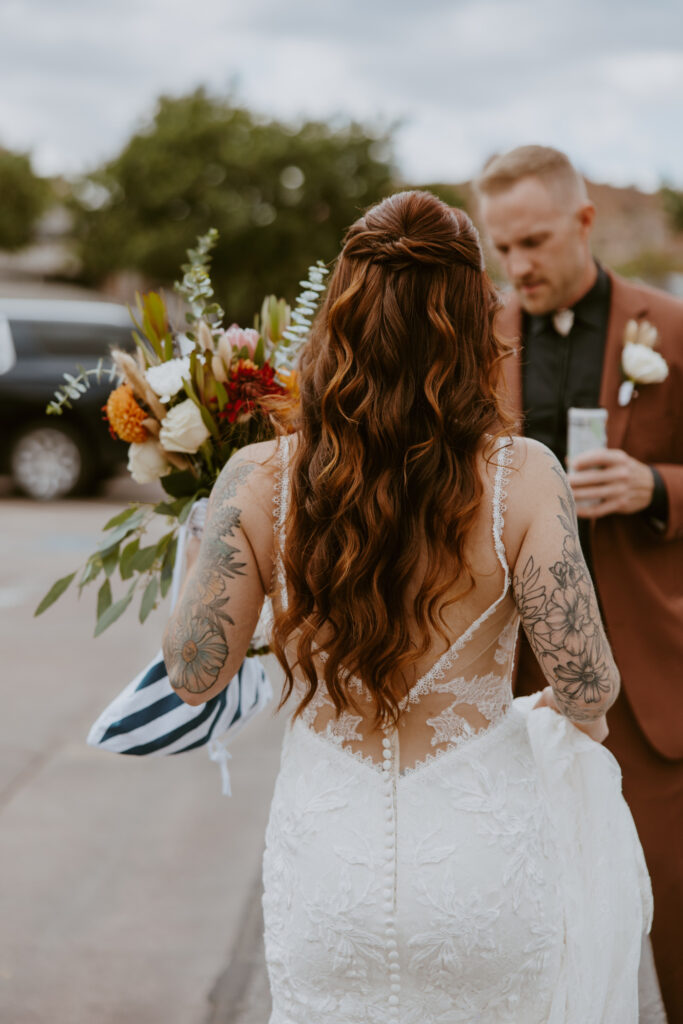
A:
[476,864]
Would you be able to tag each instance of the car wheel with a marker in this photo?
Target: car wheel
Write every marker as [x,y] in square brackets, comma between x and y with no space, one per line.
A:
[50,462]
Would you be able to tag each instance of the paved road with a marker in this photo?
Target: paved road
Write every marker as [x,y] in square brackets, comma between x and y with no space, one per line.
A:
[129,887]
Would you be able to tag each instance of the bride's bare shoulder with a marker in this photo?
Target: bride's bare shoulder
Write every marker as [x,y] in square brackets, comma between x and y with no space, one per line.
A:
[250,476]
[529,458]
[534,480]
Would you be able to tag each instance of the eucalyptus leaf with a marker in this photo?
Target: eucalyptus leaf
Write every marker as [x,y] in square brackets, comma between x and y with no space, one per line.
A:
[167,567]
[55,592]
[186,511]
[148,598]
[126,568]
[93,567]
[103,598]
[173,508]
[164,508]
[144,558]
[162,544]
[110,560]
[121,531]
[114,611]
[122,517]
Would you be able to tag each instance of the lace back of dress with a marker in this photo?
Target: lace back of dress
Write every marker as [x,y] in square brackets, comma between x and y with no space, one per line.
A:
[463,694]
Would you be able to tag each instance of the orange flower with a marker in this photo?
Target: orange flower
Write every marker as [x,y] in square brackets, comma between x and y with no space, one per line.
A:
[125,415]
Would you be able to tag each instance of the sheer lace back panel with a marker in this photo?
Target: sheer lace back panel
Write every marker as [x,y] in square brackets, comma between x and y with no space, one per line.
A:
[465,692]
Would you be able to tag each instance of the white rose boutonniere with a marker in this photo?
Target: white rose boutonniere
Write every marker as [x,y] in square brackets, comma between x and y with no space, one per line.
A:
[183,429]
[640,364]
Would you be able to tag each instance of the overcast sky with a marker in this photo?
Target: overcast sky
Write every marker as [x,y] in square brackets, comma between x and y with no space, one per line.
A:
[602,80]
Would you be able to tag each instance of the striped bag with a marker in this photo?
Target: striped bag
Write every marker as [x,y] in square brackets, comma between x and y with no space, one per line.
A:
[149,718]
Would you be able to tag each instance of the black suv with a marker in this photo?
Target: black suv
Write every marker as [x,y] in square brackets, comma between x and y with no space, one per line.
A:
[40,340]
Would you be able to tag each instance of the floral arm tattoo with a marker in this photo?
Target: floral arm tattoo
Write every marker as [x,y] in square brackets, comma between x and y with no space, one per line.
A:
[562,622]
[196,646]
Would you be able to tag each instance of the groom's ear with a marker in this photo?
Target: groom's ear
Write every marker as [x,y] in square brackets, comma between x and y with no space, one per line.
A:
[586,218]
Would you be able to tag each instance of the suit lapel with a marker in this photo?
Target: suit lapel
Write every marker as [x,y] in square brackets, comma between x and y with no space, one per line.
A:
[624,306]
[509,326]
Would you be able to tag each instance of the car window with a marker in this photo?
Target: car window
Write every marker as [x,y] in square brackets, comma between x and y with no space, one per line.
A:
[41,337]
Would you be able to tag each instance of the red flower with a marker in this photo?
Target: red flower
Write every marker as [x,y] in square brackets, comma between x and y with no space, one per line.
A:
[247,386]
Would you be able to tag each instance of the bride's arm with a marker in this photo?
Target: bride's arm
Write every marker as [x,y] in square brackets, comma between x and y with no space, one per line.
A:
[208,634]
[556,599]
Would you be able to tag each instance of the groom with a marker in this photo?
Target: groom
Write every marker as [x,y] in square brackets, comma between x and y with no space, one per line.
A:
[539,219]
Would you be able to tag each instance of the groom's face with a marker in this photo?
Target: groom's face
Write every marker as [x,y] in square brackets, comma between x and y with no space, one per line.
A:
[541,242]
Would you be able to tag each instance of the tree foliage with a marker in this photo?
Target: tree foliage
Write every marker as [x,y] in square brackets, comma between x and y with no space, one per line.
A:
[280,197]
[23,197]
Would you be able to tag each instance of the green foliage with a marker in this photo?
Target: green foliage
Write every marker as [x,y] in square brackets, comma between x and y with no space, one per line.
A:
[672,200]
[55,592]
[74,387]
[150,567]
[279,196]
[24,197]
[196,287]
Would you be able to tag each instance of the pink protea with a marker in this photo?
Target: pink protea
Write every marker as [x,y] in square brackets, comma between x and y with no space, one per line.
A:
[235,339]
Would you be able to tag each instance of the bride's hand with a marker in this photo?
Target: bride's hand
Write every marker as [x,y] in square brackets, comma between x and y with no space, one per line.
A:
[597,729]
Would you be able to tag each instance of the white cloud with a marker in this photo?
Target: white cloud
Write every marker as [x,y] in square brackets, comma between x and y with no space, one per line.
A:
[466,77]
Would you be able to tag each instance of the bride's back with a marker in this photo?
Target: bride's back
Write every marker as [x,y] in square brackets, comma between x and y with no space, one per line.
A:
[394,582]
[461,682]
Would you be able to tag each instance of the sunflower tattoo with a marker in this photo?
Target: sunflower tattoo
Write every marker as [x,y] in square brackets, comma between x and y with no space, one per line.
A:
[196,647]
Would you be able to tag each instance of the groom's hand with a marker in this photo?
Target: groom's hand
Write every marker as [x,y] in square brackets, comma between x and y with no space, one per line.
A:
[608,481]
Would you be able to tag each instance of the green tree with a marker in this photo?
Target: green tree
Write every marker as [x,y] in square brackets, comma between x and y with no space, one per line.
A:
[23,197]
[280,197]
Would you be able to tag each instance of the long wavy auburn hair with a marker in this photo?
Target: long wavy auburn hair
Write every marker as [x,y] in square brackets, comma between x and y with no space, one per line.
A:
[398,388]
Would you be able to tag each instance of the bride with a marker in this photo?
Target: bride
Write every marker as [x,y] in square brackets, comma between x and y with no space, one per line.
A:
[436,852]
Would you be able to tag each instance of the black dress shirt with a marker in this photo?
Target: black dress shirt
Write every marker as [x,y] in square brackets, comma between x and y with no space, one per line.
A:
[559,373]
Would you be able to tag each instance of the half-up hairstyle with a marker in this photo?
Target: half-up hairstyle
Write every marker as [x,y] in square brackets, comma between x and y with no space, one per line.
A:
[398,389]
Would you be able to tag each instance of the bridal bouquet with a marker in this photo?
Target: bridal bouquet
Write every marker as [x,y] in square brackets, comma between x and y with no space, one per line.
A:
[184,403]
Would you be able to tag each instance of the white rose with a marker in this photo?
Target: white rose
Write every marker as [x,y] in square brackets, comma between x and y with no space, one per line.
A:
[642,365]
[146,462]
[183,429]
[166,379]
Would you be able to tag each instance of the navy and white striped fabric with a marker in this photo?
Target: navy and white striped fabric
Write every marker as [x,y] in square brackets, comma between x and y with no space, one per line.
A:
[149,718]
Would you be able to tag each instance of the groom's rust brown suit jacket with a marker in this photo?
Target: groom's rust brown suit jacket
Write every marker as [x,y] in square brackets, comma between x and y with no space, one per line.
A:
[639,577]
[639,571]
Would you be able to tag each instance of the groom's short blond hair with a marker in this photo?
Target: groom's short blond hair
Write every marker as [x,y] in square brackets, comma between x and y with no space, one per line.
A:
[551,166]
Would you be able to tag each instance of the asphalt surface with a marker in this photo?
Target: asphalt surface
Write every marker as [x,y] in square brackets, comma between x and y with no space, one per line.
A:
[130,887]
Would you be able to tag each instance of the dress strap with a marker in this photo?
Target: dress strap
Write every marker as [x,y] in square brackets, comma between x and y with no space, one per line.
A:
[280,509]
[503,459]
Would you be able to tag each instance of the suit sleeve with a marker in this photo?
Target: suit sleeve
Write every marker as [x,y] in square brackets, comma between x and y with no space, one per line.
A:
[672,475]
